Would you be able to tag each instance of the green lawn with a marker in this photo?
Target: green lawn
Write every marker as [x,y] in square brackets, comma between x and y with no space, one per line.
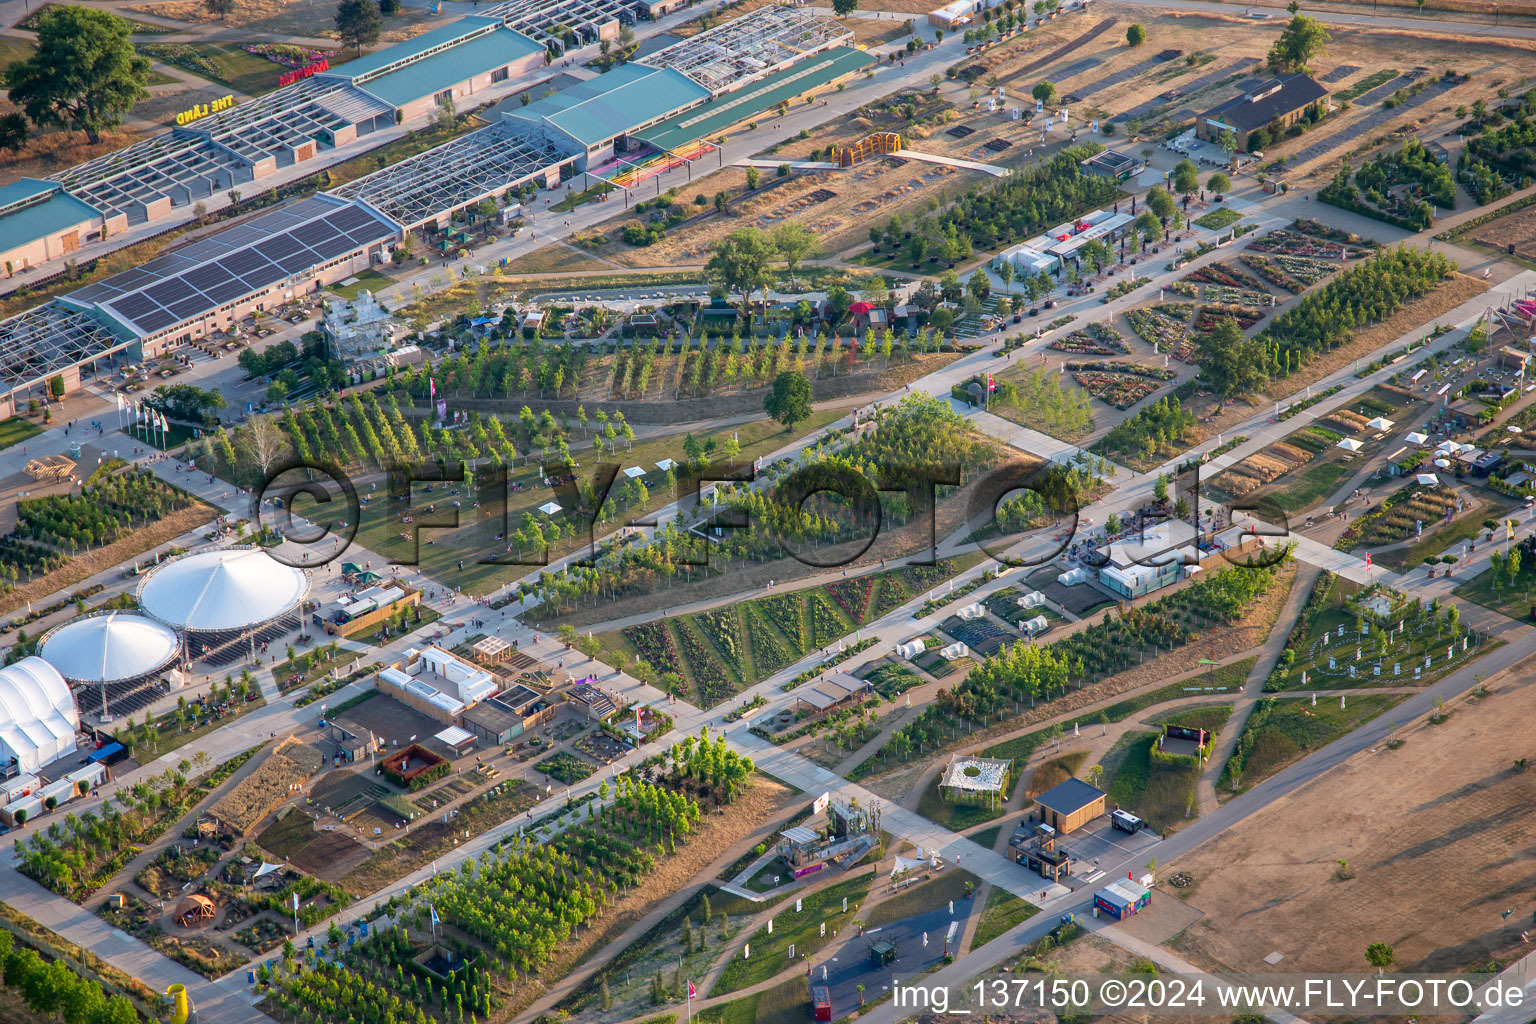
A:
[1230,676]
[369,279]
[1219,218]
[957,815]
[788,1002]
[473,538]
[1409,650]
[1161,793]
[1002,912]
[1301,491]
[987,837]
[802,930]
[949,884]
[377,639]
[13,49]
[225,63]
[16,430]
[1498,595]
[1282,731]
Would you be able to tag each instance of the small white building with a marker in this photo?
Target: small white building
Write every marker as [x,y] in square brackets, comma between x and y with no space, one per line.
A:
[1027,260]
[972,611]
[1033,599]
[1035,626]
[911,649]
[955,651]
[953,15]
[450,674]
[1072,577]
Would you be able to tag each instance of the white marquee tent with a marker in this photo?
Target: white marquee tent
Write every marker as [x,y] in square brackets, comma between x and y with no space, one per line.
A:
[225,589]
[109,648]
[38,718]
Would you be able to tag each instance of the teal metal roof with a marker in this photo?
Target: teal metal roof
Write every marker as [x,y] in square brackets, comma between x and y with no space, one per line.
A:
[733,107]
[612,104]
[31,209]
[438,60]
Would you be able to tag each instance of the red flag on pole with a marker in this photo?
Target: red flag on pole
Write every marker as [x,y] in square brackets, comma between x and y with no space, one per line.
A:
[1367,559]
[692,991]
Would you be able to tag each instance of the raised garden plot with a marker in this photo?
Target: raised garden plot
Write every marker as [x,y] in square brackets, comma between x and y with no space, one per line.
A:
[1211,315]
[1293,273]
[1221,273]
[1166,326]
[566,767]
[1122,386]
[1093,340]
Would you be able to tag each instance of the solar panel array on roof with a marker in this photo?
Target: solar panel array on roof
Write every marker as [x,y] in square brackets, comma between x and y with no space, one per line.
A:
[199,278]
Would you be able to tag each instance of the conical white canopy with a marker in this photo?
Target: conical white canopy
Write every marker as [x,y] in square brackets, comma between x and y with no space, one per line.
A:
[231,588]
[107,648]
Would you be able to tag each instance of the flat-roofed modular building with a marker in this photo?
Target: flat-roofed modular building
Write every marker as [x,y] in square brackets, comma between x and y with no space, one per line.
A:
[1070,805]
[452,62]
[40,221]
[598,117]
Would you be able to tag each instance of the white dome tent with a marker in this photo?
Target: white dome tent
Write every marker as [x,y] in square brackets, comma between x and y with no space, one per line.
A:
[118,652]
[38,718]
[224,601]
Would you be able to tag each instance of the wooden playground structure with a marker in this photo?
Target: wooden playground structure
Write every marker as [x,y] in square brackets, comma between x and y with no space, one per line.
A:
[51,469]
[870,146]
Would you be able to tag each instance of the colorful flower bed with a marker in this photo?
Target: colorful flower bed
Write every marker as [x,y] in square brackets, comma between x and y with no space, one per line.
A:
[289,55]
[714,684]
[784,612]
[890,594]
[769,653]
[1220,273]
[1293,273]
[1093,340]
[1237,296]
[1166,326]
[722,626]
[1121,390]
[183,56]
[852,596]
[1209,316]
[655,645]
[826,624]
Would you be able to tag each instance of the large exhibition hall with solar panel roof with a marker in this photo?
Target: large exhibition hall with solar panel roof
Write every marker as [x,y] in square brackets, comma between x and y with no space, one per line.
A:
[293,251]
[432,591]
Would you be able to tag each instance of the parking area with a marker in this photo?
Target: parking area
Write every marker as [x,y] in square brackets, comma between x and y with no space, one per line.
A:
[1099,846]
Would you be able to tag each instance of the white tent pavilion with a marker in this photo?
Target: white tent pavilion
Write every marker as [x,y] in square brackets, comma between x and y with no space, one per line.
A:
[634,471]
[549,508]
[1429,479]
[1443,463]
[1379,423]
[1349,444]
[38,718]
[1418,438]
[665,464]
